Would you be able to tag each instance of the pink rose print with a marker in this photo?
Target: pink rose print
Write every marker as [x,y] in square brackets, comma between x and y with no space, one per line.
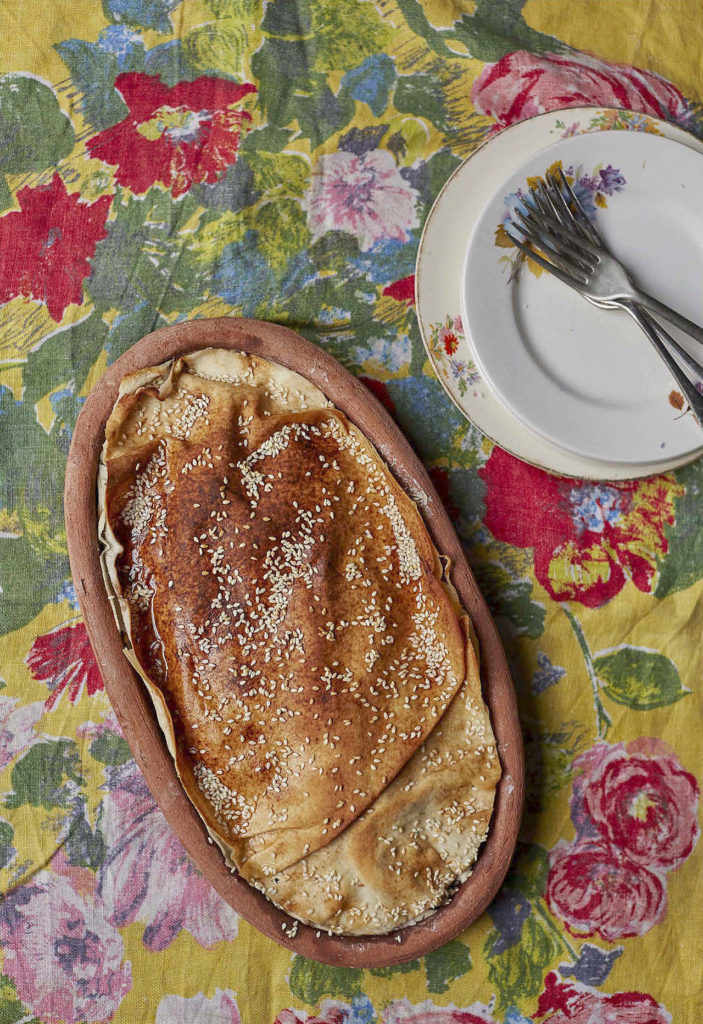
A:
[221,1009]
[365,196]
[646,806]
[65,959]
[522,84]
[91,730]
[16,727]
[597,890]
[147,875]
[401,1011]
[569,1002]
[360,1011]
[64,660]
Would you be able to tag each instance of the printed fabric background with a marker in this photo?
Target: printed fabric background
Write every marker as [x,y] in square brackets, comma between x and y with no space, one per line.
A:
[168,159]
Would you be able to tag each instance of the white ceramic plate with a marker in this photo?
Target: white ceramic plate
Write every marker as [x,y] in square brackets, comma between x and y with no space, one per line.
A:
[439,277]
[585,378]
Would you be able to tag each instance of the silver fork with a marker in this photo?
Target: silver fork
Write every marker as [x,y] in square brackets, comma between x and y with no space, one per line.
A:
[567,218]
[605,279]
[567,264]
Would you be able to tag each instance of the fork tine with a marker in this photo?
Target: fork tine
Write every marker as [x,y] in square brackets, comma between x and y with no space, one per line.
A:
[540,235]
[568,215]
[561,209]
[545,264]
[587,251]
[580,213]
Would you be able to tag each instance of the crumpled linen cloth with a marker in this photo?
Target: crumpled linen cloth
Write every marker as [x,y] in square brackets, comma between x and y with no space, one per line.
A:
[171,159]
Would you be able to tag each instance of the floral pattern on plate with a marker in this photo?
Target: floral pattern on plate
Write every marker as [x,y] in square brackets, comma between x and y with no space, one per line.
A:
[446,339]
[591,189]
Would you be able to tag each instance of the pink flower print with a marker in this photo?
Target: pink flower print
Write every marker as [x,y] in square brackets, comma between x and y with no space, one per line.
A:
[65,959]
[16,727]
[91,730]
[359,1011]
[147,875]
[569,1002]
[401,1011]
[365,196]
[597,890]
[522,84]
[646,806]
[221,1009]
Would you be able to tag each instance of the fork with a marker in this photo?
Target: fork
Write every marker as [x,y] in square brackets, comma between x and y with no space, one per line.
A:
[604,278]
[567,264]
[569,218]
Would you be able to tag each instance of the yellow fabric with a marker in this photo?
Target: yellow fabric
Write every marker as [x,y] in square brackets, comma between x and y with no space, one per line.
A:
[598,590]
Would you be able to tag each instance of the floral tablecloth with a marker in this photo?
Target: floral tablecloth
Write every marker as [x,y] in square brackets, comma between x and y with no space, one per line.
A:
[169,159]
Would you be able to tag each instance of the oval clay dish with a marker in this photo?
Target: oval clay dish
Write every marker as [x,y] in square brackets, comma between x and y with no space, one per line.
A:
[133,706]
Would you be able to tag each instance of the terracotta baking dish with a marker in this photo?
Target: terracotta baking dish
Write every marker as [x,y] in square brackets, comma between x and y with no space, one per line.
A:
[131,702]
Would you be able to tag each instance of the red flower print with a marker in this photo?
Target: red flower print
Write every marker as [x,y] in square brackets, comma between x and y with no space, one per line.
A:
[646,806]
[570,1002]
[451,343]
[597,890]
[588,538]
[522,84]
[63,659]
[46,244]
[379,389]
[179,136]
[402,290]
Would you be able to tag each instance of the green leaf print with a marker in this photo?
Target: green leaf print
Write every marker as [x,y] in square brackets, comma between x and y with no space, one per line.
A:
[44,775]
[34,131]
[283,231]
[29,579]
[267,139]
[346,34]
[517,973]
[419,94]
[93,72]
[110,749]
[493,30]
[548,758]
[217,48]
[279,174]
[529,871]
[639,678]
[84,846]
[283,18]
[447,964]
[7,850]
[148,258]
[32,487]
[12,1011]
[682,566]
[310,981]
[510,599]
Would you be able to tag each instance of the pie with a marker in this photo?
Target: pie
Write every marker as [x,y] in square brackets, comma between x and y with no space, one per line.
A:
[311,667]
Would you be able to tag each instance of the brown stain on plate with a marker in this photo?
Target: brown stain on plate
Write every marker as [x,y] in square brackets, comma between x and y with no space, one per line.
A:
[132,704]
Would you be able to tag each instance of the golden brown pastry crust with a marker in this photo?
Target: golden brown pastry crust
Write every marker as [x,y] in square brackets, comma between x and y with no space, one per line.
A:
[280,596]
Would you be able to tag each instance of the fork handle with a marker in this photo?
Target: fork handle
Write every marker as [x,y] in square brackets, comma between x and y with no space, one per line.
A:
[690,391]
[669,314]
